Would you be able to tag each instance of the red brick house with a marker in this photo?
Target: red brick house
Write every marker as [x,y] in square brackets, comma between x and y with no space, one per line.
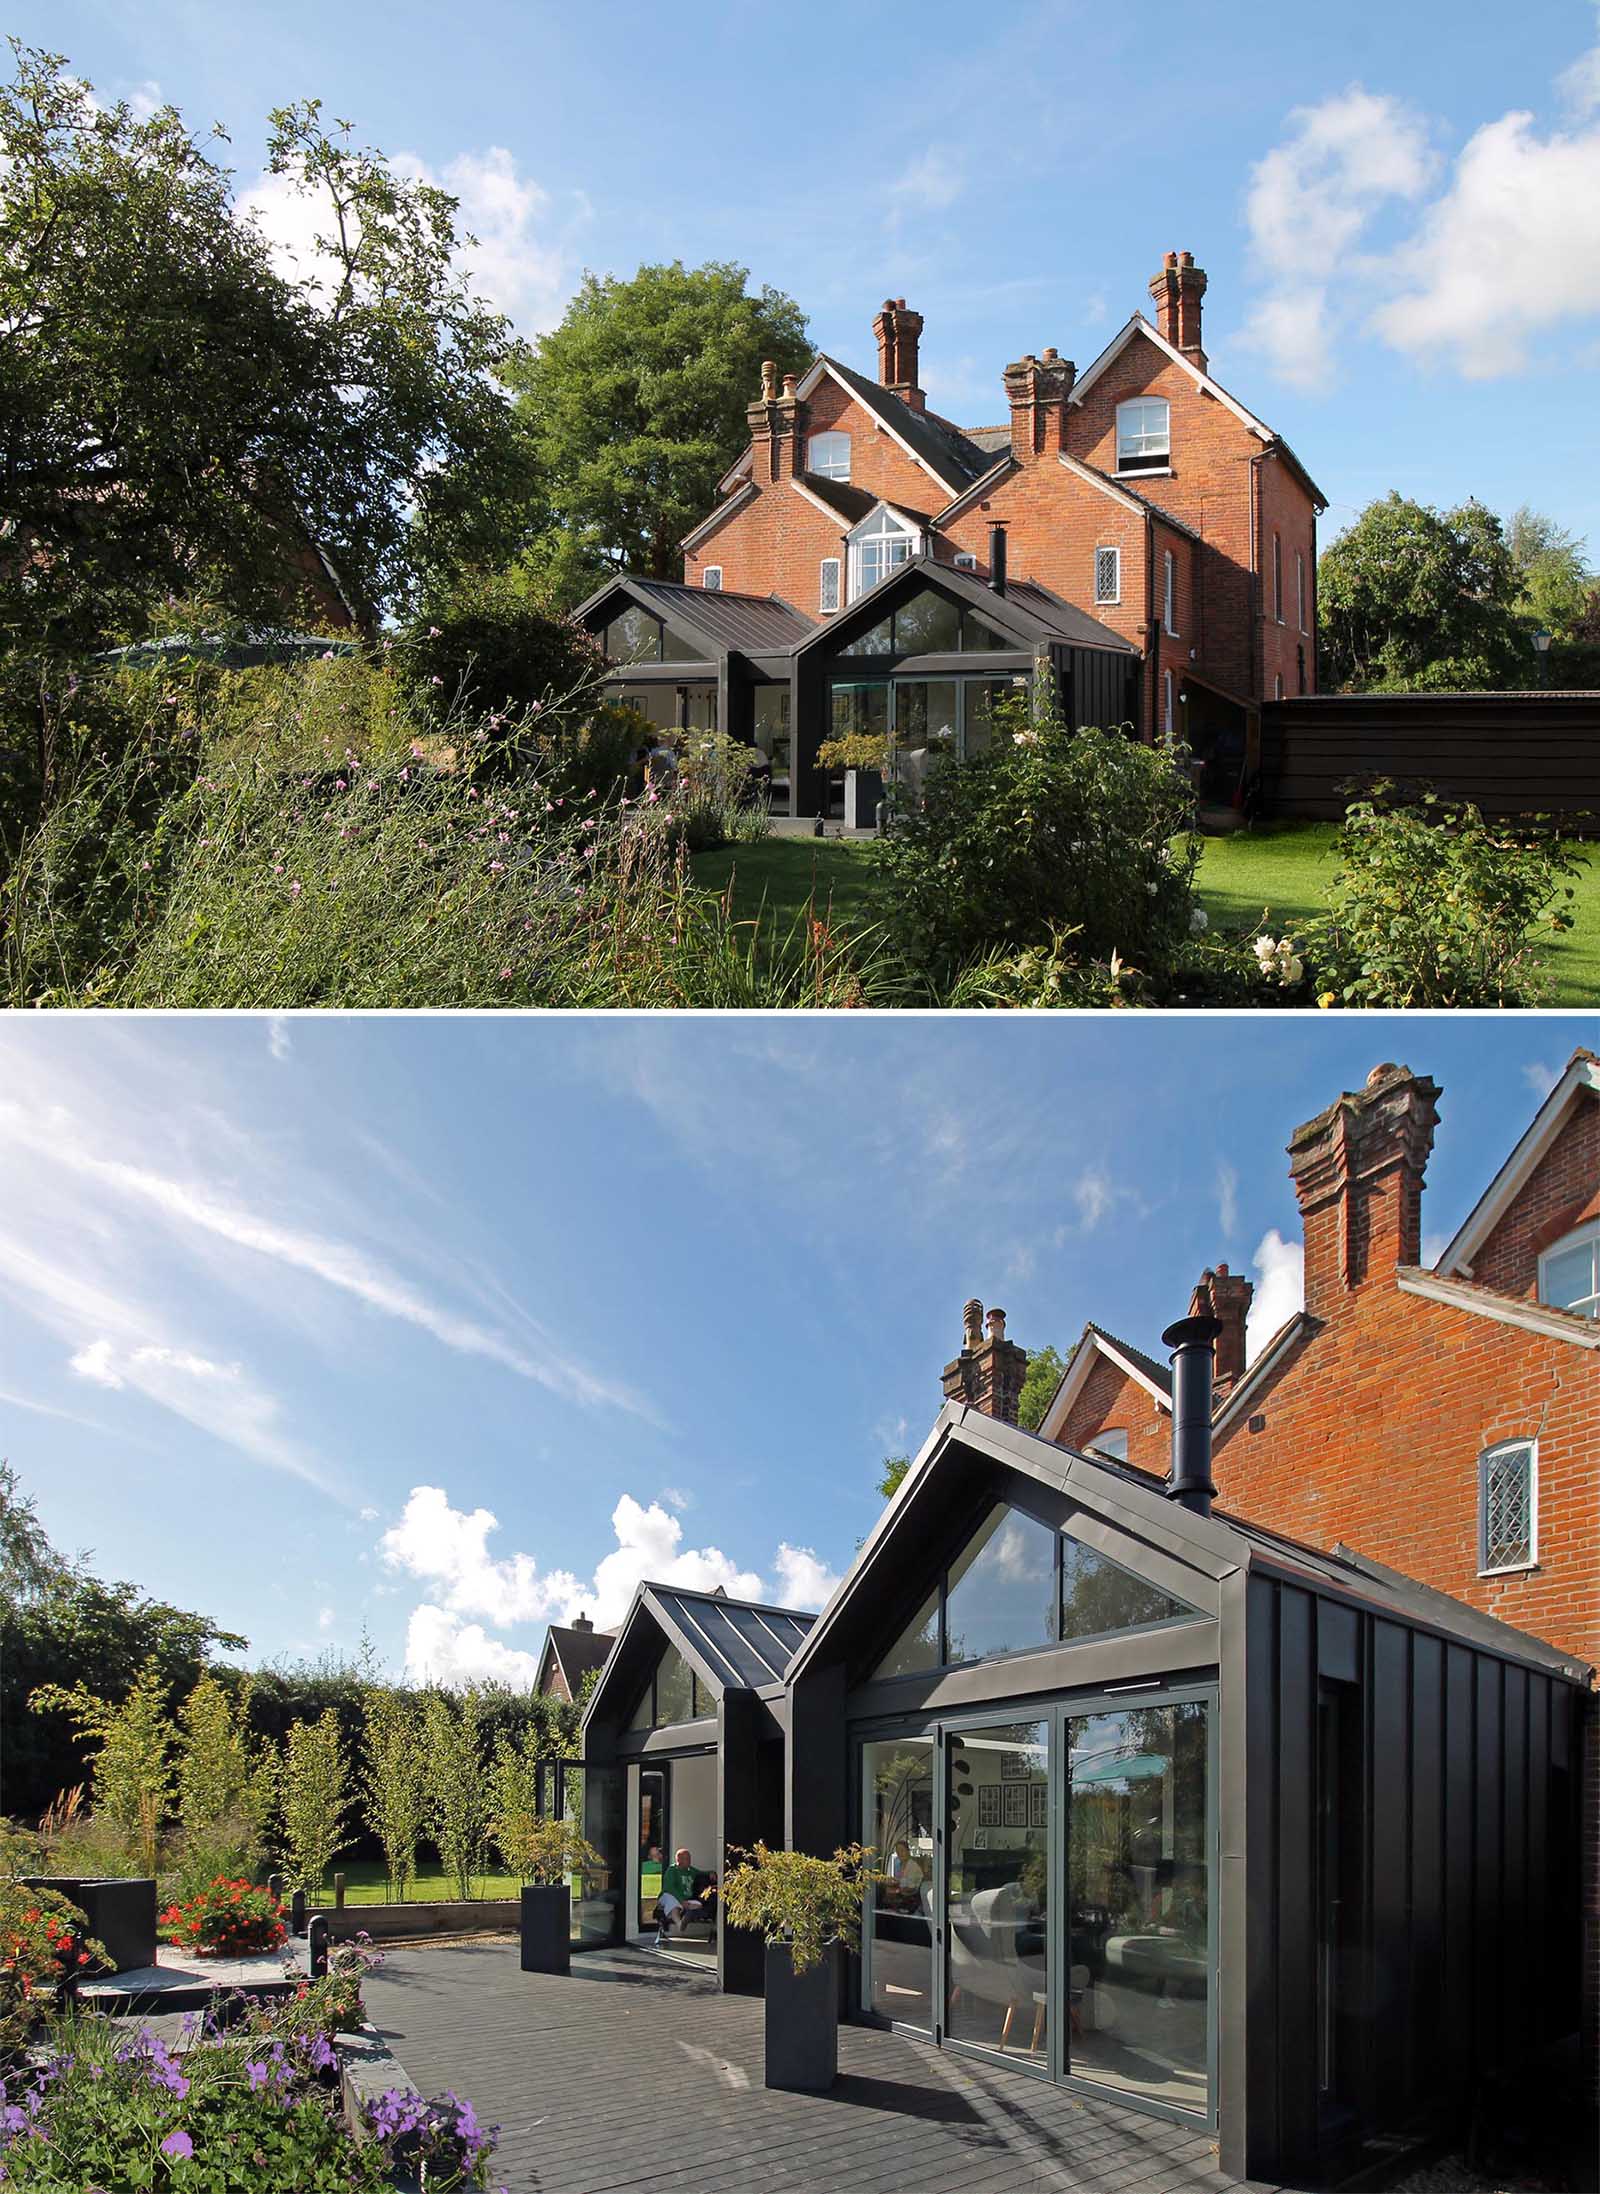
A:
[1137,530]
[571,1652]
[1442,1420]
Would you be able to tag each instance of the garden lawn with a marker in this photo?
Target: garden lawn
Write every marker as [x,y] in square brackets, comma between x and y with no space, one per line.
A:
[839,876]
[1285,869]
[365,1883]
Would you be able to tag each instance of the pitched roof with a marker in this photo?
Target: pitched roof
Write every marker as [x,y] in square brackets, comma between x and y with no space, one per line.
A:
[730,1644]
[1218,1544]
[853,503]
[993,439]
[760,624]
[1026,613]
[575,1651]
[949,455]
[1581,1078]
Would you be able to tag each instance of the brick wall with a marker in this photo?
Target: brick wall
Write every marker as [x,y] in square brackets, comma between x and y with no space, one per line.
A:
[1562,1195]
[1112,1401]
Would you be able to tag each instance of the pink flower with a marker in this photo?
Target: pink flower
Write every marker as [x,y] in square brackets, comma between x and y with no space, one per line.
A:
[434,633]
[438,681]
[339,785]
[505,975]
[497,868]
[294,891]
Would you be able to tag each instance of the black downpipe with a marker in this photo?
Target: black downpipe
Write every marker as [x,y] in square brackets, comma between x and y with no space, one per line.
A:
[1193,1342]
[997,558]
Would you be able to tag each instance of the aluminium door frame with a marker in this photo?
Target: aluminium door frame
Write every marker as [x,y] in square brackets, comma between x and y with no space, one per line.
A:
[1056,1709]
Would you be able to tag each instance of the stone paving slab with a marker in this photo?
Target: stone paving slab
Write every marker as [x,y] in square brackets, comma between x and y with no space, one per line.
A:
[632,2074]
[179,1981]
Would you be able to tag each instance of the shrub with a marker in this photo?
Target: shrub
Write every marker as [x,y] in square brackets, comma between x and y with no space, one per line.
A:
[226,1786]
[488,652]
[458,1795]
[315,1799]
[791,1897]
[228,1919]
[131,1770]
[329,2006]
[1048,831]
[1432,905]
[548,1851]
[394,1782]
[45,1947]
[441,2141]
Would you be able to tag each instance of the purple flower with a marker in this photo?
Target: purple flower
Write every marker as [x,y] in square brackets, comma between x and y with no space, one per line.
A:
[258,2074]
[178,2144]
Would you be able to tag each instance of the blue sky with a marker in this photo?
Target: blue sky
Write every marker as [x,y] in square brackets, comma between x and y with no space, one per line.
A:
[1390,202]
[656,1294]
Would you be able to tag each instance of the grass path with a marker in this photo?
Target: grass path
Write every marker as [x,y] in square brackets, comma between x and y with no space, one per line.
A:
[365,1883]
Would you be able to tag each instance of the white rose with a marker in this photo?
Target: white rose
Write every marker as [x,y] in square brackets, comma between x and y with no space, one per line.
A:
[1198,920]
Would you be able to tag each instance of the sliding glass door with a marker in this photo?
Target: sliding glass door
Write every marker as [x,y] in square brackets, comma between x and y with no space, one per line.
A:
[1049,1892]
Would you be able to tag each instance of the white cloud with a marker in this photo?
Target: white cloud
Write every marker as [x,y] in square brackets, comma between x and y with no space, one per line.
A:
[504,222]
[279,1042]
[1227,1196]
[676,1497]
[1094,1194]
[1541,1079]
[802,1580]
[441,1649]
[94,1362]
[926,184]
[1433,1248]
[1280,1289]
[369,1515]
[146,99]
[1020,1262]
[325,1618]
[1310,200]
[1486,268]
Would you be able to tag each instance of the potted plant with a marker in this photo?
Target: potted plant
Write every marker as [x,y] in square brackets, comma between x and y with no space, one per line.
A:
[808,1911]
[549,1853]
[863,757]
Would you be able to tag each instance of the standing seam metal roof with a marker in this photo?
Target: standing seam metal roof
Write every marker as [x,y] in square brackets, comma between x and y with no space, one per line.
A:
[743,1643]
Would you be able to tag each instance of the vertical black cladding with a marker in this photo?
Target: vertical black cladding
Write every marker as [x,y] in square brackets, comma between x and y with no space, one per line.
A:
[1193,1342]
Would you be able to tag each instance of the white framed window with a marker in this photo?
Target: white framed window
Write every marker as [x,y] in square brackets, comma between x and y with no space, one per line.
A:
[828,589]
[1277,577]
[711,578]
[1569,1272]
[1144,434]
[1277,686]
[1111,1440]
[1166,702]
[1169,592]
[965,560]
[1108,575]
[1300,589]
[828,455]
[879,545]
[1508,1507]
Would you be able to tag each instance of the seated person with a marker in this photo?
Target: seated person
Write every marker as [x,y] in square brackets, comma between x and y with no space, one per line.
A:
[906,1878]
[682,1897]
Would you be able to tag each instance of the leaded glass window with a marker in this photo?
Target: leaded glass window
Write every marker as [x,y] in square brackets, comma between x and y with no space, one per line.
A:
[1506,1506]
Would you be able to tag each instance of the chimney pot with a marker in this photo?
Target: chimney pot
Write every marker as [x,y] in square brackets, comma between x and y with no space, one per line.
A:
[580,1621]
[791,381]
[769,378]
[972,1322]
[988,1374]
[997,1325]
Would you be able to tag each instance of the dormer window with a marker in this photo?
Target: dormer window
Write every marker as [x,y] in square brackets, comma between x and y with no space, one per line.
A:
[1569,1272]
[1144,434]
[828,456]
[880,544]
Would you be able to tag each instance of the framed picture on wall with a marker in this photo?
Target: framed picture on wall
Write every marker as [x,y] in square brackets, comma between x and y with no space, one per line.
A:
[989,1814]
[1016,1804]
[1013,1767]
[1038,1806]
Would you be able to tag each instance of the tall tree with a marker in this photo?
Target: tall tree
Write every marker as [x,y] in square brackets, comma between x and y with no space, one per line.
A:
[1555,587]
[635,407]
[177,415]
[1412,598]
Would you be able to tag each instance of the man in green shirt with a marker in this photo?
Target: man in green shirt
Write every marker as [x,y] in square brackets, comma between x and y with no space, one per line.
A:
[678,1900]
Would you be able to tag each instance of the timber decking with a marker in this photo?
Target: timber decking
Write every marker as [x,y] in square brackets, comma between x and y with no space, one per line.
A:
[634,2074]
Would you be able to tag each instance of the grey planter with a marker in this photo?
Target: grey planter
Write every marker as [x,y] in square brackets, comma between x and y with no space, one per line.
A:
[802,2023]
[121,1914]
[863,795]
[547,1928]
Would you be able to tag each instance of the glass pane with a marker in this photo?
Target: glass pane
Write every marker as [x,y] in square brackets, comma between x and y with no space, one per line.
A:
[652,1840]
[918,1644]
[700,711]
[1569,1276]
[1138,1901]
[634,637]
[924,730]
[861,708]
[659,703]
[675,649]
[978,732]
[643,1712]
[927,625]
[1000,1589]
[1508,1508]
[1098,1594]
[772,724]
[980,638]
[998,1972]
[596,1798]
[897,1807]
[674,1688]
[876,642]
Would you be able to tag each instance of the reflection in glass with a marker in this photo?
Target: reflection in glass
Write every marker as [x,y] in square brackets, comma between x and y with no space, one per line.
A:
[676,650]
[1001,1587]
[772,726]
[861,708]
[929,624]
[874,641]
[1099,1595]
[1138,1879]
[918,1644]
[634,637]
[674,1688]
[998,1968]
[652,1840]
[596,1798]
[898,1809]
[982,639]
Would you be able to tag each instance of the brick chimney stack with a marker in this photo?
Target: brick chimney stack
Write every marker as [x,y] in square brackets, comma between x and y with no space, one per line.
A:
[1225,1296]
[777,423]
[1037,390]
[1177,291]
[988,1374]
[1357,1170]
[899,332]
[581,1621]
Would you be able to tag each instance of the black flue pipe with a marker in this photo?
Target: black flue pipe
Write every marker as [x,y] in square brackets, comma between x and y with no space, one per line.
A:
[997,558]
[1193,1342]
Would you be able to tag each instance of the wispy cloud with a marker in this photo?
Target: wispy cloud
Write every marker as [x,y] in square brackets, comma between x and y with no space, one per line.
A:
[279,1042]
[1227,1196]
[928,183]
[1541,1078]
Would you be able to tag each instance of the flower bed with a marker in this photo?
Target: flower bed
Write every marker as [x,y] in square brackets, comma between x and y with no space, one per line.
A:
[228,1920]
[45,1946]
